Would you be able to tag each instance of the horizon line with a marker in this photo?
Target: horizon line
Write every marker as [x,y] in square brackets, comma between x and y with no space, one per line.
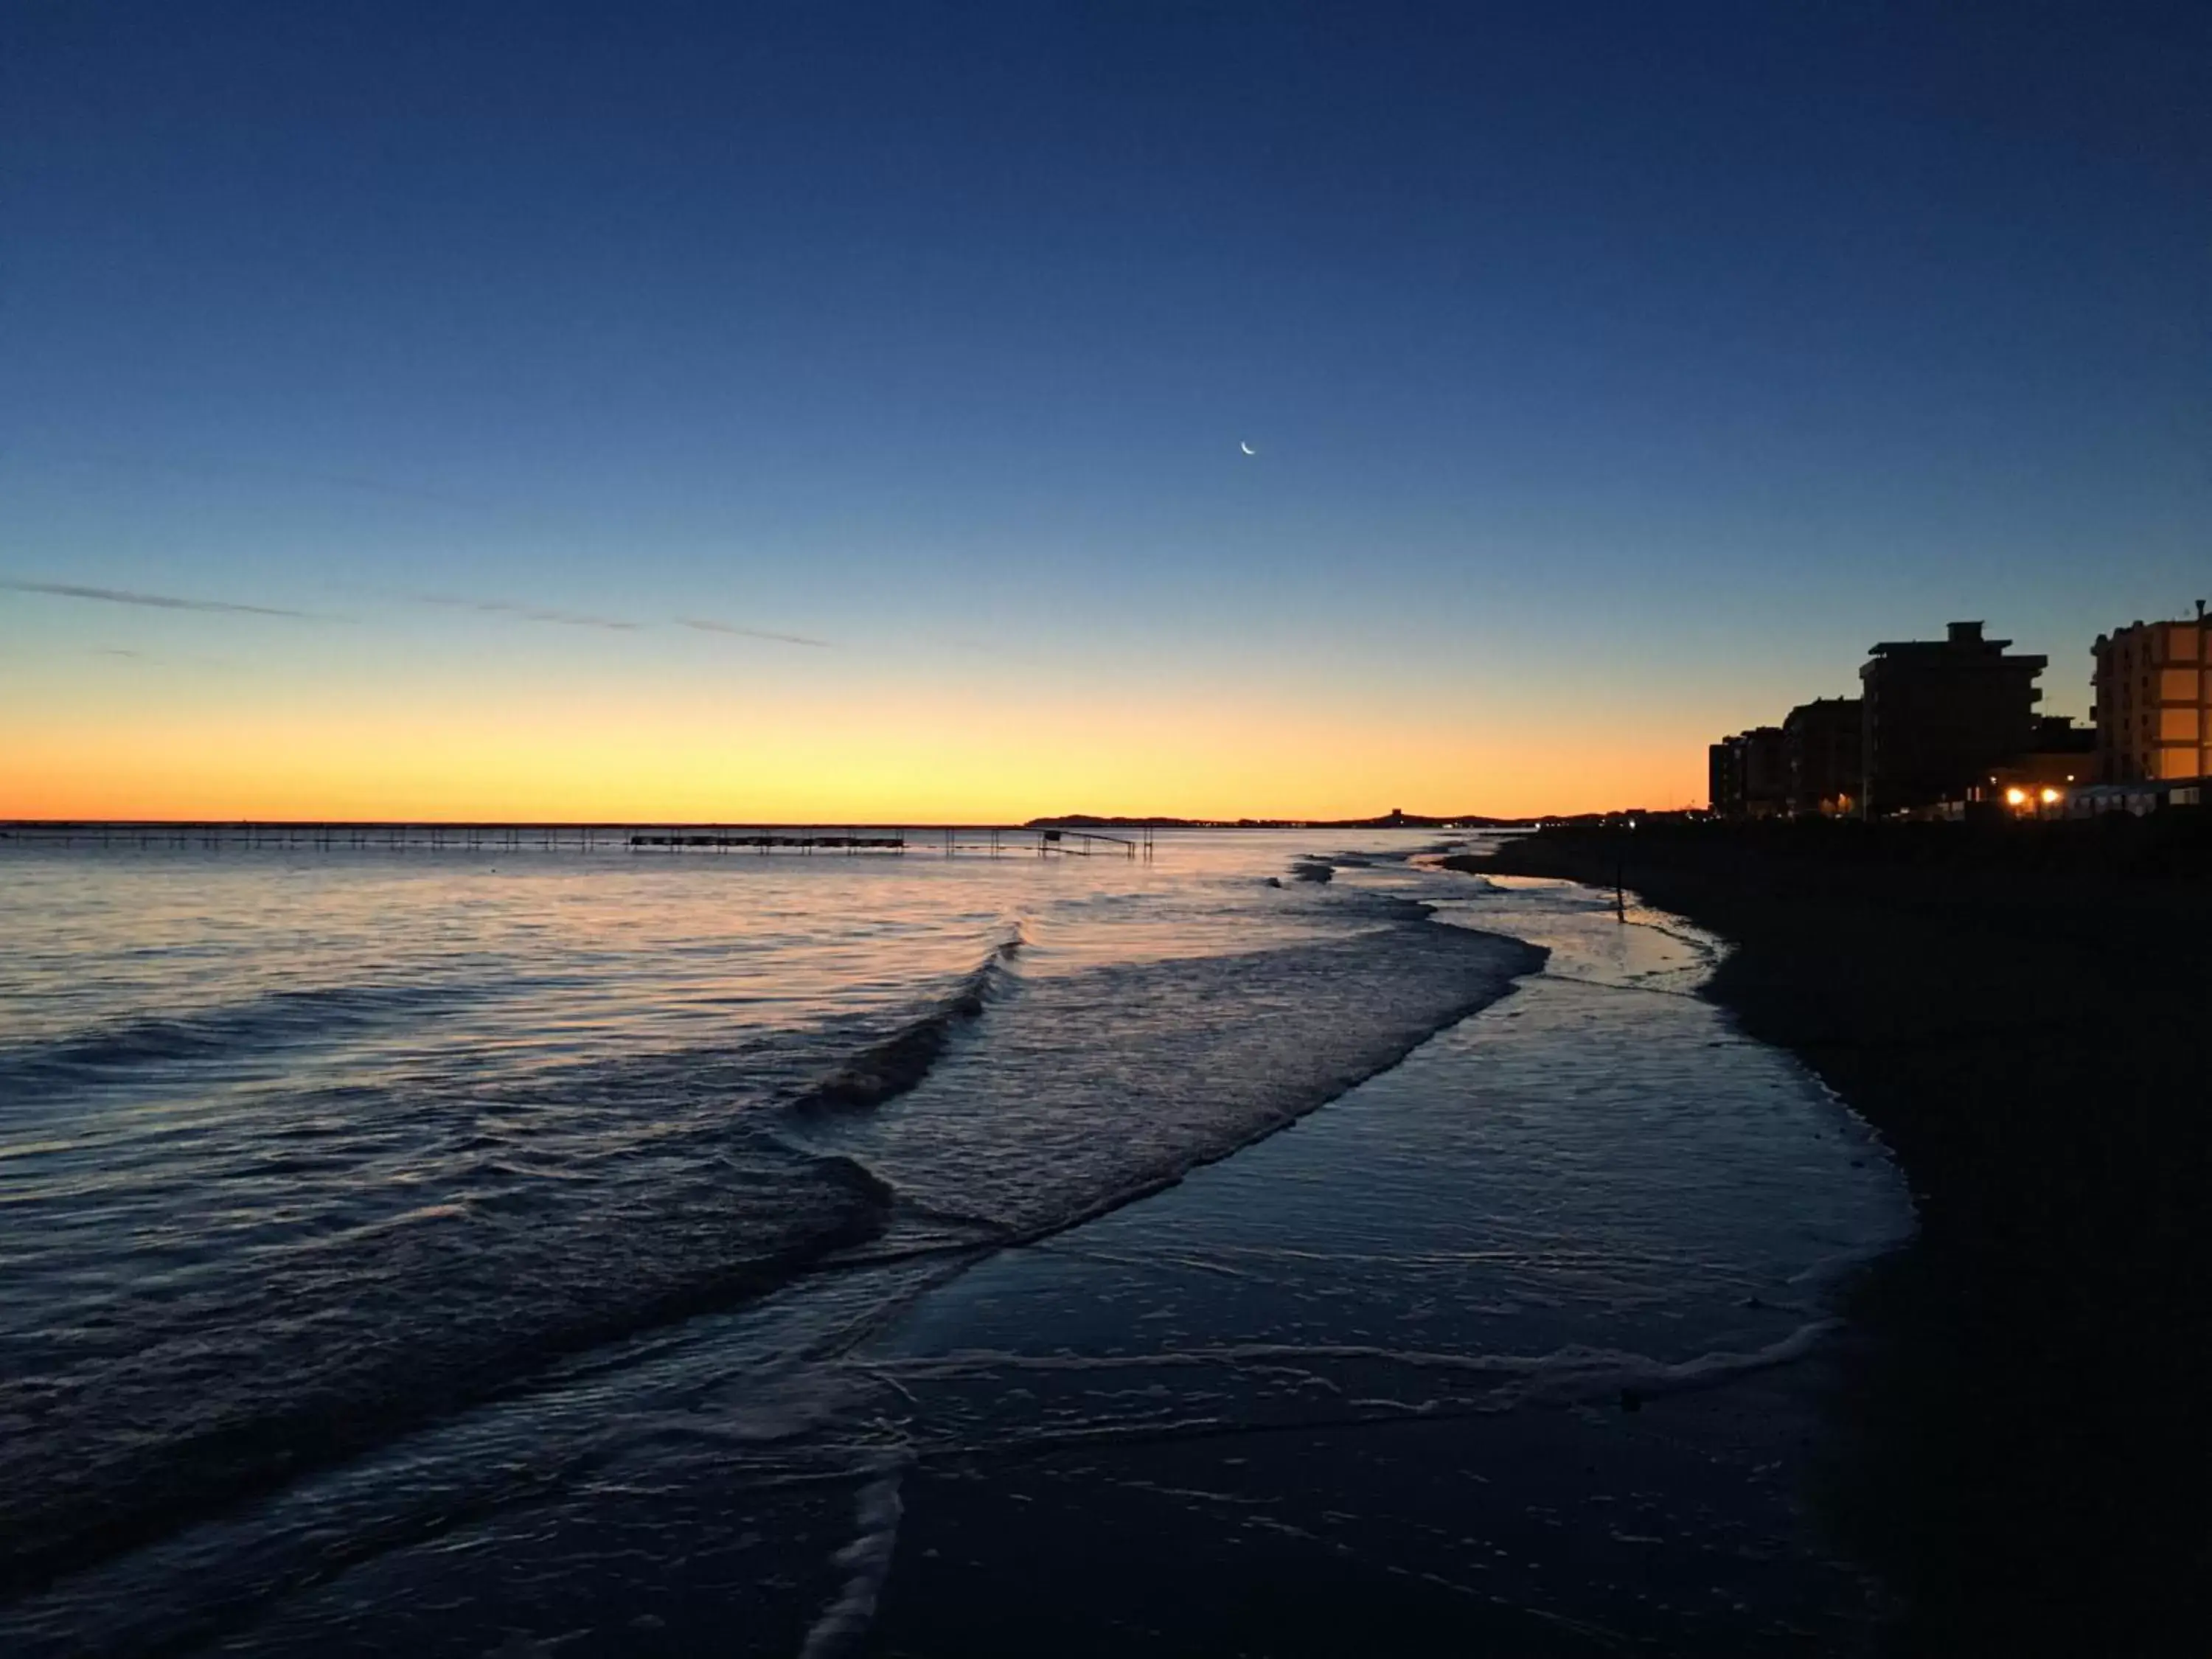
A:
[1070,820]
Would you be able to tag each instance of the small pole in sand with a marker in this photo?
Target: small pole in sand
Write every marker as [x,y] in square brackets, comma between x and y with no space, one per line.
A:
[1620,898]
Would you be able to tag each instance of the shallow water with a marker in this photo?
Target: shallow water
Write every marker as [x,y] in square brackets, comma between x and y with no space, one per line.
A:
[469,1251]
[1509,1346]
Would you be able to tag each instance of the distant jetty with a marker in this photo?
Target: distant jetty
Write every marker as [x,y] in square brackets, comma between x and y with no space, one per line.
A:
[1042,840]
[1074,834]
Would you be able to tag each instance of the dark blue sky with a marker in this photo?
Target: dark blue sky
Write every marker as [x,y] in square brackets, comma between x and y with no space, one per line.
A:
[1645,358]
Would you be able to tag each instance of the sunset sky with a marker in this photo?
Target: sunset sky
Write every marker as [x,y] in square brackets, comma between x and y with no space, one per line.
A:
[814,412]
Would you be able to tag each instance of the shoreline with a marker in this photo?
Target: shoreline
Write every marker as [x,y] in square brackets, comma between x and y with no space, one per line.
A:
[1433,1364]
[2032,1443]
[1506,1348]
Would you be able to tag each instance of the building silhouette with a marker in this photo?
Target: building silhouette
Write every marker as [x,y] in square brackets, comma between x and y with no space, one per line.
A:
[1939,716]
[2153,709]
[1823,746]
[1747,775]
[1724,779]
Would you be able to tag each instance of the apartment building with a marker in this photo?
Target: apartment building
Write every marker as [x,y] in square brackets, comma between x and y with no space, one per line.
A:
[2153,712]
[1822,741]
[1747,775]
[1940,716]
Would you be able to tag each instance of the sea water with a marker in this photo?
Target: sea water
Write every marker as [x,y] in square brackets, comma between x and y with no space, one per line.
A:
[577,1252]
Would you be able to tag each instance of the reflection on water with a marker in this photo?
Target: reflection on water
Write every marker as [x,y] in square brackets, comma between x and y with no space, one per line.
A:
[467,1183]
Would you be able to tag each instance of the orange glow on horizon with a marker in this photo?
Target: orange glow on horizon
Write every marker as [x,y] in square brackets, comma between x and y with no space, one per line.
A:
[914,758]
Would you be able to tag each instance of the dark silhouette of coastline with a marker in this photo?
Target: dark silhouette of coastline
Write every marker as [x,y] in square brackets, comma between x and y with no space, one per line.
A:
[2021,1010]
[1381,821]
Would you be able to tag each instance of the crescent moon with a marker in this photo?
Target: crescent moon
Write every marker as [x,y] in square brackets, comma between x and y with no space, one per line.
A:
[1246,447]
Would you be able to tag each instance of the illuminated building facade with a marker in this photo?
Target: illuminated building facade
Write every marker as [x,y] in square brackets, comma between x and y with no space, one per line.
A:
[2153,711]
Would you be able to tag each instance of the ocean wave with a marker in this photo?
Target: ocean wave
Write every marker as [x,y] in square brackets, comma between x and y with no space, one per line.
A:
[481,1236]
[448,1240]
[889,1068]
[190,1401]
[1092,1090]
[274,1020]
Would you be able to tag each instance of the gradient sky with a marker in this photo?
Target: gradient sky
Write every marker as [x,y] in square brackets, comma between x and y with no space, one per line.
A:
[782,411]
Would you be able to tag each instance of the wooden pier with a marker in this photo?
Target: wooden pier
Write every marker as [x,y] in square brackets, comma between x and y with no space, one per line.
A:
[947,840]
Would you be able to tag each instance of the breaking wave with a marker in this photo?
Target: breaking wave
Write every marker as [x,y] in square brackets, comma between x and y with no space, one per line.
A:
[889,1068]
[442,1243]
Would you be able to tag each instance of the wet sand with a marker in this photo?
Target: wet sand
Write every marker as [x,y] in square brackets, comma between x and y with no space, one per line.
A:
[2023,1017]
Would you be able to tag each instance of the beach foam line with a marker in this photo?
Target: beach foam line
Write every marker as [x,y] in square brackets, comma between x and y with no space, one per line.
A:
[1572,1375]
[1570,1378]
[867,1564]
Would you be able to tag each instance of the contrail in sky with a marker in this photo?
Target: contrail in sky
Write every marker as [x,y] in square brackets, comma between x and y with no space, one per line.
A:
[536,613]
[708,625]
[154,601]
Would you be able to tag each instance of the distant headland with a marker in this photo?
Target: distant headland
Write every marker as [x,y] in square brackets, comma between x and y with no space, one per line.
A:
[1393,819]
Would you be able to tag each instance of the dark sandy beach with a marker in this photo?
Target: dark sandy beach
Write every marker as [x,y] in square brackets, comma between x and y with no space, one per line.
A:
[2021,1012]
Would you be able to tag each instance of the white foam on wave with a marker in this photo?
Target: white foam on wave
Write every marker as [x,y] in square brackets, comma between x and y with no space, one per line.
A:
[1080,1093]
[867,1563]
